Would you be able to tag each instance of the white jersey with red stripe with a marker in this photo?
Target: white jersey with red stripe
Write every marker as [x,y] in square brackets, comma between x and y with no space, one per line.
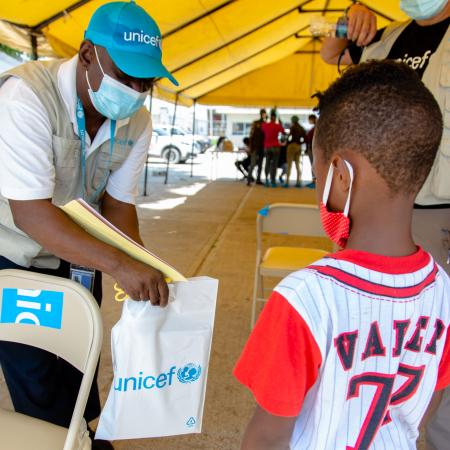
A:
[355,346]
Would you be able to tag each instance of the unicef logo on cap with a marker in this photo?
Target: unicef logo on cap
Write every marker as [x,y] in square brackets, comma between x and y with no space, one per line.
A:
[189,373]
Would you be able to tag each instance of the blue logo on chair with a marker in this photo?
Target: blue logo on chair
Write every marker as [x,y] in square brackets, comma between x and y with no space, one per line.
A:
[32,307]
[189,373]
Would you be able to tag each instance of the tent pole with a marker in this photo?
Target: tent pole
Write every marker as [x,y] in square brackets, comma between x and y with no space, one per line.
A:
[146,161]
[171,137]
[34,50]
[193,140]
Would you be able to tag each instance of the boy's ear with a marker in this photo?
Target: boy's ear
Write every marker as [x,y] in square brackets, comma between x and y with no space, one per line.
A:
[341,174]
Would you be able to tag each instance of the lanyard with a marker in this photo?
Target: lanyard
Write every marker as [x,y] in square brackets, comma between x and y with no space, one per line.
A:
[81,122]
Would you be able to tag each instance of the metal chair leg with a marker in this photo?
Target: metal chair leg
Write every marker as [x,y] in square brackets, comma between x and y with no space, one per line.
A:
[256,289]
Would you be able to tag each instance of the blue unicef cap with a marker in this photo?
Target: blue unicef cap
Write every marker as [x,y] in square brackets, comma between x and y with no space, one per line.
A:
[131,37]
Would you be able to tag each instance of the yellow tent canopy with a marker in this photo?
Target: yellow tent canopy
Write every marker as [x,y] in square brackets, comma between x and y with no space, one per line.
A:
[234,52]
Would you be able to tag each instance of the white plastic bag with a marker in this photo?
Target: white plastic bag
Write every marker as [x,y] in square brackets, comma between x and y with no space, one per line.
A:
[160,362]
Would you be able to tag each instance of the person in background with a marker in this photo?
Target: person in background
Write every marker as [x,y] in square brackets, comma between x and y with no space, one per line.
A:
[257,148]
[70,129]
[297,135]
[272,131]
[353,351]
[423,43]
[244,165]
[312,118]
[282,161]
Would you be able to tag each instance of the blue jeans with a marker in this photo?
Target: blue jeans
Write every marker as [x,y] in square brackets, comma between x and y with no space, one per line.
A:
[41,384]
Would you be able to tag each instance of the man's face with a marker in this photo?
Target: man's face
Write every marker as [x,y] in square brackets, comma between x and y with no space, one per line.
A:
[264,116]
[95,74]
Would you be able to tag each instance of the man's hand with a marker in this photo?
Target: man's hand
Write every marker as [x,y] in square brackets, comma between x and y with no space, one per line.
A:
[362,25]
[142,282]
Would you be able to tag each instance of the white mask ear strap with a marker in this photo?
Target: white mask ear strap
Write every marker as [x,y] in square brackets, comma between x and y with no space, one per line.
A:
[98,60]
[101,68]
[327,188]
[328,182]
[347,203]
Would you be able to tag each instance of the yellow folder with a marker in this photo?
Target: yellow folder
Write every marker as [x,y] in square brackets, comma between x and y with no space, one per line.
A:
[96,225]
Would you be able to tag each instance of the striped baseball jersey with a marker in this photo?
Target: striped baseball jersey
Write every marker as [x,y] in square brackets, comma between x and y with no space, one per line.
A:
[353,346]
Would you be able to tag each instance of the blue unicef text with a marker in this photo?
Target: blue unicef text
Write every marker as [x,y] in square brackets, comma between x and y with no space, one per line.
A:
[185,374]
[145,381]
[32,307]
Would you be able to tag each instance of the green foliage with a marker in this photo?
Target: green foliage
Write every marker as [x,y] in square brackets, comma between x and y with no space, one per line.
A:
[10,51]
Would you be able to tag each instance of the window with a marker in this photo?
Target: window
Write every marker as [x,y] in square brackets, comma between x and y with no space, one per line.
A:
[241,129]
[219,124]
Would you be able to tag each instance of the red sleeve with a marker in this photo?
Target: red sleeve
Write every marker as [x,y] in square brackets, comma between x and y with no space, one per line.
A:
[443,378]
[281,359]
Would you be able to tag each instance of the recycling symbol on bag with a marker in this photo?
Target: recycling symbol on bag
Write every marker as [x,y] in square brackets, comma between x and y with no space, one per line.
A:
[189,373]
[191,422]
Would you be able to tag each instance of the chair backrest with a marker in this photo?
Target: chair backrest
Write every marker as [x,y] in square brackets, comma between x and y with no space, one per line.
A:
[291,219]
[50,313]
[56,315]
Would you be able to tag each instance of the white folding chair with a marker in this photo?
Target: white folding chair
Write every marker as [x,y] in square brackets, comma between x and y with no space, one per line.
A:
[62,317]
[286,219]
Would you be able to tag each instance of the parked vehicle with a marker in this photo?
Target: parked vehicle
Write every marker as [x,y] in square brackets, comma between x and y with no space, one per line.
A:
[200,142]
[176,148]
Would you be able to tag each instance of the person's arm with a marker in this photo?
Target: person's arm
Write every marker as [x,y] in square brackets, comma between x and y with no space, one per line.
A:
[281,343]
[57,233]
[122,215]
[27,179]
[267,432]
[362,27]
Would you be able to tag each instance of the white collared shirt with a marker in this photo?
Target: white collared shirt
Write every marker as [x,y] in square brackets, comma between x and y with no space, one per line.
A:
[26,158]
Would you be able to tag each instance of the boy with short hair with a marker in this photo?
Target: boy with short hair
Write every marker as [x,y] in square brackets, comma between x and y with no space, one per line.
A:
[348,352]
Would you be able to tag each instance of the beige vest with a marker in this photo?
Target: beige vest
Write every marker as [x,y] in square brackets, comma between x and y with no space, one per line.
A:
[436,189]
[41,77]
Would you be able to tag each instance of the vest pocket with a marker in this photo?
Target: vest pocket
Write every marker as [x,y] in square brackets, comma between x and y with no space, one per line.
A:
[67,155]
[66,152]
[118,157]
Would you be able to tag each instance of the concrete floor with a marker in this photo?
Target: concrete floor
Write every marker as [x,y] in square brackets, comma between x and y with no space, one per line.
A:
[217,226]
[208,229]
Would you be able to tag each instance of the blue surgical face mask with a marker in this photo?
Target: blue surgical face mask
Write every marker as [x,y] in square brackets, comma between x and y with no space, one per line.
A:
[422,9]
[113,99]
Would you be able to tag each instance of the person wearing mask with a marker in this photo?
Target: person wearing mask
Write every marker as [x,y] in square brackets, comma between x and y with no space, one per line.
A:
[257,148]
[272,145]
[312,118]
[296,137]
[70,129]
[423,43]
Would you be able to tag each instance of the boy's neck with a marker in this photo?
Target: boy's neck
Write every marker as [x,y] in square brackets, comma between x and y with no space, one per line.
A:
[384,231]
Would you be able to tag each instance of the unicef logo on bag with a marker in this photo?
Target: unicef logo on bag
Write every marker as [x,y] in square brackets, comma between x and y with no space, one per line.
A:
[189,373]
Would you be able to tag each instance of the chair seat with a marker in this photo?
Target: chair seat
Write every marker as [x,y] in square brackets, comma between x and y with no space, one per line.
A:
[21,432]
[281,261]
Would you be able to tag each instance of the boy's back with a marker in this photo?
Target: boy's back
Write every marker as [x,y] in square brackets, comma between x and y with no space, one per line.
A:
[348,352]
[365,347]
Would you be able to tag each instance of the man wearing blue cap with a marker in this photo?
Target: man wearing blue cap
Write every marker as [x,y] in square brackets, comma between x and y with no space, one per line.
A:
[72,129]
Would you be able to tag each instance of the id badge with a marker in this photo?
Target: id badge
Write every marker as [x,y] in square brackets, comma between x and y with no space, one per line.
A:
[83,275]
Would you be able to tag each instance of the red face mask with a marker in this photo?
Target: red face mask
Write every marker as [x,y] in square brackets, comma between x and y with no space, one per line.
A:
[336,224]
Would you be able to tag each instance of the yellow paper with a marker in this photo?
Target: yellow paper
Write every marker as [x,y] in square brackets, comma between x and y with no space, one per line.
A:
[96,225]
